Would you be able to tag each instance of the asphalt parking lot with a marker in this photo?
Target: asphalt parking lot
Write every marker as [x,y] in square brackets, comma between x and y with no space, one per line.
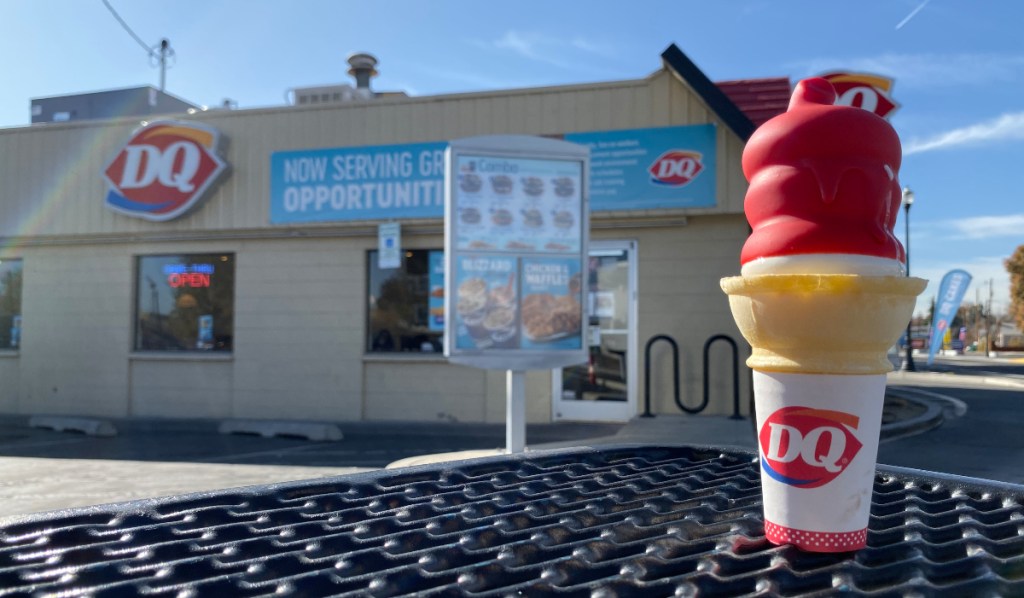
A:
[42,469]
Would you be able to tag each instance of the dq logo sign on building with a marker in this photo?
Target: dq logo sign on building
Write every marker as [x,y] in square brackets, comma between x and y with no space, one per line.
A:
[864,90]
[807,448]
[164,170]
[676,167]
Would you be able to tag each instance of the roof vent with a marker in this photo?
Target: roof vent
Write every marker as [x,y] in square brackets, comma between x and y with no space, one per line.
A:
[364,66]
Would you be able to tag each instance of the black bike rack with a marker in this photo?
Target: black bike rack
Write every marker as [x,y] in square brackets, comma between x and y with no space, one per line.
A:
[647,370]
[735,372]
[675,375]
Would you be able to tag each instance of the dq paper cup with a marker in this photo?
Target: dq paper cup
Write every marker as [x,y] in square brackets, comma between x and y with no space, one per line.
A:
[818,442]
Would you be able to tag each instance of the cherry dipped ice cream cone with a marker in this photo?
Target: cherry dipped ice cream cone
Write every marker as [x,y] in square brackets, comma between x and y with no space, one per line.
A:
[821,297]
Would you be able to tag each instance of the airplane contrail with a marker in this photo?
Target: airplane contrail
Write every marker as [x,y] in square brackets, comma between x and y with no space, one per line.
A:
[912,14]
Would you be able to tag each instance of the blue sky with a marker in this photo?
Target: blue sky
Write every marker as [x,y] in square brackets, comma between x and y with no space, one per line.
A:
[958,70]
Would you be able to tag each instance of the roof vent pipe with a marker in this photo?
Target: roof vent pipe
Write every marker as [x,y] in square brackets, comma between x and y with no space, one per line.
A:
[364,66]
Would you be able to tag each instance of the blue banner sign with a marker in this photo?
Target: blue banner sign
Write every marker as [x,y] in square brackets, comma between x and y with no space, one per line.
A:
[951,293]
[644,169]
[357,183]
[637,169]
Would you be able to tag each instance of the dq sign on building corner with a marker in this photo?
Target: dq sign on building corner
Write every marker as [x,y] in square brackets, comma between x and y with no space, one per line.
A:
[864,90]
[164,170]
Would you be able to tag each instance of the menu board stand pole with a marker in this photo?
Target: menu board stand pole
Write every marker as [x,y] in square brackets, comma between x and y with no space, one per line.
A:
[515,411]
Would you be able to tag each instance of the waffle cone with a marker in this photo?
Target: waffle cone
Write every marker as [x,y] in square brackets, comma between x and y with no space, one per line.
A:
[821,323]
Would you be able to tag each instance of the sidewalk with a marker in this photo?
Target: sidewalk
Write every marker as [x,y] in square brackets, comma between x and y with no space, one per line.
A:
[908,411]
[905,413]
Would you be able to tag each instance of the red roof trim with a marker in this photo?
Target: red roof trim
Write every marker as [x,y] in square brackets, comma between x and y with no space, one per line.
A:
[758,99]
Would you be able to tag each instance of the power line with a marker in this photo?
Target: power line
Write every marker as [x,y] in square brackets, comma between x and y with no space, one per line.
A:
[129,29]
[158,58]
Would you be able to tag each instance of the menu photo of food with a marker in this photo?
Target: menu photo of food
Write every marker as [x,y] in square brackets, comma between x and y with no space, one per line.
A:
[565,187]
[563,219]
[470,216]
[470,182]
[533,186]
[551,311]
[485,303]
[501,219]
[501,184]
[533,219]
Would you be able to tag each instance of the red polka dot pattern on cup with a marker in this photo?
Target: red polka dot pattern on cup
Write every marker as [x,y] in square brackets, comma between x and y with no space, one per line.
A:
[813,541]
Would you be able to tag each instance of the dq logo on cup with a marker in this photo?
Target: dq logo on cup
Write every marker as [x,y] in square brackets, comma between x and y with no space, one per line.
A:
[676,168]
[807,448]
[163,170]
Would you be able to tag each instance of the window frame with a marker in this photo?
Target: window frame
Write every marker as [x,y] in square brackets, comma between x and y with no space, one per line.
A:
[400,347]
[194,257]
[6,347]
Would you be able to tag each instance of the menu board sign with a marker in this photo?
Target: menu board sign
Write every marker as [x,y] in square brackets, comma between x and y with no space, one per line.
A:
[516,228]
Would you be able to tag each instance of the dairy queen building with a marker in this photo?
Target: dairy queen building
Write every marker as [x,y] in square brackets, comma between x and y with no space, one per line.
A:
[224,264]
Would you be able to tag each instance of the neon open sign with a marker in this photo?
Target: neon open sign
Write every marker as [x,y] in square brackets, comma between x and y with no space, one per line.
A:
[194,276]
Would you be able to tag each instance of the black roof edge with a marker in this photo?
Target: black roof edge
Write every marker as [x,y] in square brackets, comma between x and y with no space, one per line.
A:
[709,92]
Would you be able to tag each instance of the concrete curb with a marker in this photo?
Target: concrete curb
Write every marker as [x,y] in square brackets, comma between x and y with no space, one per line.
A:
[445,457]
[64,423]
[932,418]
[996,381]
[315,431]
[899,377]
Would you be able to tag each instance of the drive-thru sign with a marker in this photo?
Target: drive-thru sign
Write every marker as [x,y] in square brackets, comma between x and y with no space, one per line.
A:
[516,232]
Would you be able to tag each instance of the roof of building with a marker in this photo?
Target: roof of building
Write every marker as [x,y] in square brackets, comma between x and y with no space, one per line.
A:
[733,117]
[743,105]
[759,99]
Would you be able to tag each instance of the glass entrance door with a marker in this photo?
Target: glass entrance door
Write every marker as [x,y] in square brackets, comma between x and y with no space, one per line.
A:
[604,388]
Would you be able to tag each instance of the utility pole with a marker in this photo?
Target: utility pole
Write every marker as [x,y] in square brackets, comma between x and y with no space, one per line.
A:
[988,322]
[162,55]
[977,314]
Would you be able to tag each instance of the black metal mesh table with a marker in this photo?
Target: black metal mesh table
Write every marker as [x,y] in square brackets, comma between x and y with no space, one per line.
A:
[626,520]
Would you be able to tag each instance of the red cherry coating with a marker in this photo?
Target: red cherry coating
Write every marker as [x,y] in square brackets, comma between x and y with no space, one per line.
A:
[823,179]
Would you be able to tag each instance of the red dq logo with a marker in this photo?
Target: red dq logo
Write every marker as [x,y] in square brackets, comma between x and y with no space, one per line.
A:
[164,170]
[807,448]
[676,168]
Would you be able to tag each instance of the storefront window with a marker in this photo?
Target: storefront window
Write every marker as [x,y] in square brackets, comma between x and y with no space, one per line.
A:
[185,302]
[10,304]
[406,304]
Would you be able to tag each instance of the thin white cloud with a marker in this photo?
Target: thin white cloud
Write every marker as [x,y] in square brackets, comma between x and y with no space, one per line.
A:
[546,48]
[522,44]
[928,69]
[1006,127]
[588,46]
[987,227]
[463,79]
[575,54]
[530,45]
[969,228]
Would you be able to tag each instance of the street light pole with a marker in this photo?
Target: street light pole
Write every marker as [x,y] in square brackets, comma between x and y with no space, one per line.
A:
[908,200]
